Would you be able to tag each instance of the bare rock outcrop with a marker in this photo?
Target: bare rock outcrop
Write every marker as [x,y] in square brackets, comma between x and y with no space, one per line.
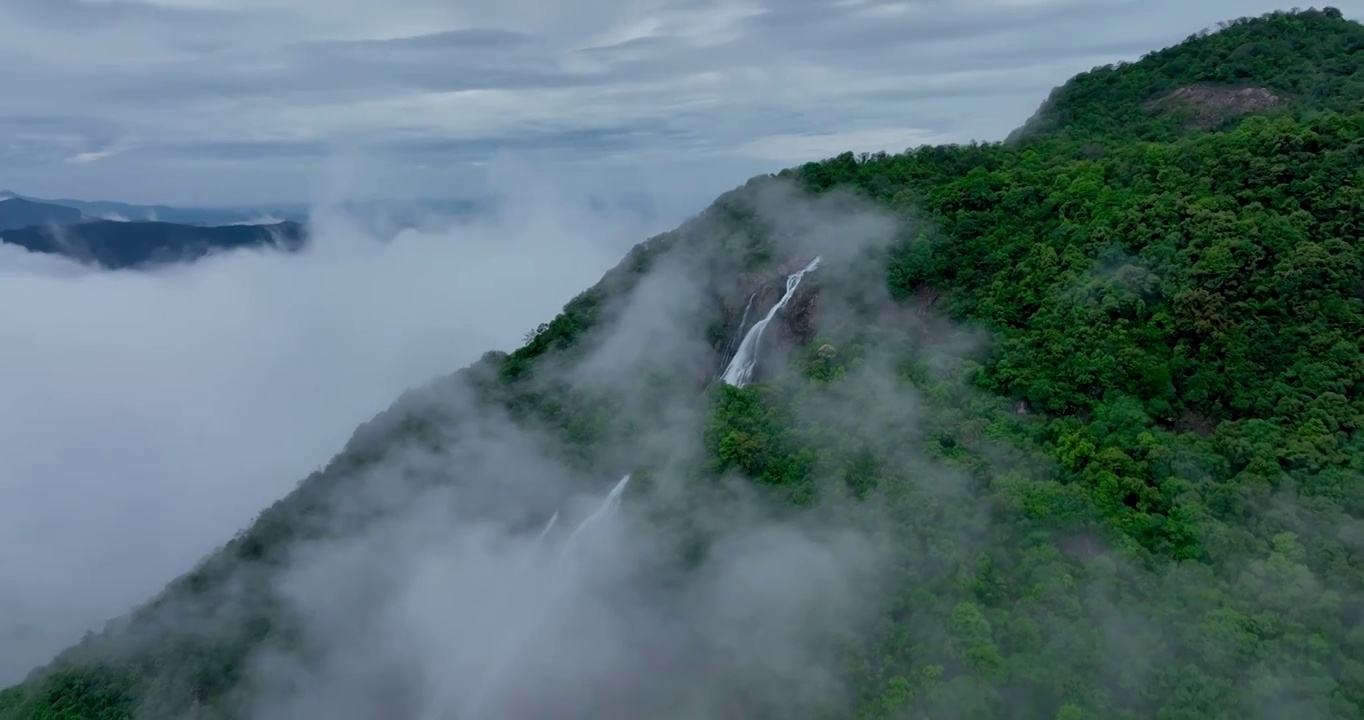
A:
[1211,105]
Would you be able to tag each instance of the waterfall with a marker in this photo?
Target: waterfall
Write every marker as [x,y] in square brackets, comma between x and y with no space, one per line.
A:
[738,373]
[731,347]
[740,369]
[548,526]
[607,508]
[559,586]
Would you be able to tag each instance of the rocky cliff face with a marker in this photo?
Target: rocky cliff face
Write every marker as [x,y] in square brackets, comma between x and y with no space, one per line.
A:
[1206,106]
[801,317]
[749,298]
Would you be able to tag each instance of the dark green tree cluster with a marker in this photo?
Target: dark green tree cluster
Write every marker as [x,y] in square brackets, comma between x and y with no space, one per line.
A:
[1139,498]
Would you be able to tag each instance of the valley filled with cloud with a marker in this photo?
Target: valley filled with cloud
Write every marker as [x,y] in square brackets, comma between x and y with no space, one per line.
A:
[148,415]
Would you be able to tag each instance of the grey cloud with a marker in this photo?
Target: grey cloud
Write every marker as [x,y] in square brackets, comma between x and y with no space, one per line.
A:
[670,78]
[600,142]
[911,47]
[449,61]
[595,141]
[81,14]
[942,41]
[249,150]
[17,125]
[475,40]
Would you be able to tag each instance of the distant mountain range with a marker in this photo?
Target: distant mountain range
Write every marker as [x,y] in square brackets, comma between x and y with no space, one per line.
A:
[120,235]
[61,229]
[406,213]
[117,245]
[16,212]
[107,210]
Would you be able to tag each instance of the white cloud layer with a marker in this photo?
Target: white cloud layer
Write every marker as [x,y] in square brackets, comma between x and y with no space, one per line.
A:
[220,101]
[147,416]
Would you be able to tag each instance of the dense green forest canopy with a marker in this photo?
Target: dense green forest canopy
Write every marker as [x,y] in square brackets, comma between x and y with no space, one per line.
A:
[1150,408]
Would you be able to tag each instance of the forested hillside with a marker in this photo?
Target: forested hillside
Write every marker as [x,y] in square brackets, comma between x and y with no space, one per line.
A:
[1096,400]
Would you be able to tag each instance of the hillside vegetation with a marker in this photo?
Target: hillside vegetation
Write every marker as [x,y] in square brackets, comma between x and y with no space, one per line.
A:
[1102,398]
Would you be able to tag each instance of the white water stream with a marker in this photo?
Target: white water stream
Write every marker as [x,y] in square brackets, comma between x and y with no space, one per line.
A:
[740,370]
[738,373]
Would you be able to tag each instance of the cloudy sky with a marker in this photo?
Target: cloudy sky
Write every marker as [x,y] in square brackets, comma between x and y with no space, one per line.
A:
[238,101]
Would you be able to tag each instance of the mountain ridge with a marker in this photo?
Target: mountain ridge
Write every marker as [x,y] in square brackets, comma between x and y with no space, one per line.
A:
[121,211]
[118,244]
[17,213]
[1274,53]
[1147,408]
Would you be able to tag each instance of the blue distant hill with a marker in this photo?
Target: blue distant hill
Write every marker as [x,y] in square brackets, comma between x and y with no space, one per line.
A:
[108,210]
[117,245]
[75,229]
[17,212]
[119,235]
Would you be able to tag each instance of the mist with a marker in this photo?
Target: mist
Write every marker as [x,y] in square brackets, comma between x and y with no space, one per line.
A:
[439,568]
[146,416]
[465,601]
[476,592]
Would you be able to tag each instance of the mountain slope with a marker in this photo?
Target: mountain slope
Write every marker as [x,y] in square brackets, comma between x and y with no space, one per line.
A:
[1298,62]
[16,212]
[1093,402]
[116,244]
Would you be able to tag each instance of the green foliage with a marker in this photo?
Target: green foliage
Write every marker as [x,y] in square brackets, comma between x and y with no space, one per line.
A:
[1311,57]
[1185,309]
[749,431]
[93,693]
[560,334]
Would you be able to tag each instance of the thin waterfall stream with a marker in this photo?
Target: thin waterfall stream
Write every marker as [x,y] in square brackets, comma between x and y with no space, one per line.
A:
[739,372]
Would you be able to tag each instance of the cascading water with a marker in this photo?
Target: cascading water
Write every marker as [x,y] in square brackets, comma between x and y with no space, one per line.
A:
[732,346]
[738,373]
[607,508]
[548,526]
[475,710]
[740,369]
[743,325]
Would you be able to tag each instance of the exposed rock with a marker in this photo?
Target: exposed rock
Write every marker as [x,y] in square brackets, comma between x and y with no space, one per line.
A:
[924,299]
[1212,105]
[795,325]
[1194,422]
[800,317]
[1082,545]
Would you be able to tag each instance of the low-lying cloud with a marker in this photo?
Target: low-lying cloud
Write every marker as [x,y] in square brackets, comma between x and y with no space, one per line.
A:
[496,584]
[146,416]
[453,606]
